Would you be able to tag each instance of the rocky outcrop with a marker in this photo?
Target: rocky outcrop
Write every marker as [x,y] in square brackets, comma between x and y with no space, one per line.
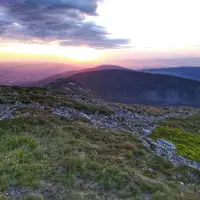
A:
[7,110]
[122,119]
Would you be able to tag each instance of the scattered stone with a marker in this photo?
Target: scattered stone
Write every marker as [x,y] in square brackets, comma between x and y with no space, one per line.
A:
[13,93]
[146,131]
[182,183]
[72,84]
[146,144]
[122,119]
[166,144]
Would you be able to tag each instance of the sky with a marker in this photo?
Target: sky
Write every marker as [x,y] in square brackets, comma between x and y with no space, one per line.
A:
[100,31]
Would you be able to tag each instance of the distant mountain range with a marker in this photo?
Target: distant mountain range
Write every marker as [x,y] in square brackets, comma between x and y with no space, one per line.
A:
[133,87]
[185,72]
[166,86]
[40,74]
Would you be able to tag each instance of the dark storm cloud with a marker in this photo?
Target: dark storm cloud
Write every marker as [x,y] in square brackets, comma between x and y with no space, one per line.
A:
[54,20]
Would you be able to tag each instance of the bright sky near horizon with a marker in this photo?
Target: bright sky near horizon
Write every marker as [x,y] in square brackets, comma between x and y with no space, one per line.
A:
[95,30]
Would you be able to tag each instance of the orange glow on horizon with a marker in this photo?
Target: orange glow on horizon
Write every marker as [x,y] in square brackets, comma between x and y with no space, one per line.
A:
[36,52]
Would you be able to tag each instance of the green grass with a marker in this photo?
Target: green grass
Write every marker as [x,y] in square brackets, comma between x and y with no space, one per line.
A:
[184,133]
[187,144]
[33,197]
[189,124]
[89,163]
[50,157]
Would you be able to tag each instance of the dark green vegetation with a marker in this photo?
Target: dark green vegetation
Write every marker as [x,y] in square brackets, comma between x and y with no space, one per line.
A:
[77,161]
[184,132]
[50,98]
[190,124]
[137,87]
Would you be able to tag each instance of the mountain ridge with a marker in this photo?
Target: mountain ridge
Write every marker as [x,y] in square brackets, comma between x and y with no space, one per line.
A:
[136,87]
[184,72]
[70,73]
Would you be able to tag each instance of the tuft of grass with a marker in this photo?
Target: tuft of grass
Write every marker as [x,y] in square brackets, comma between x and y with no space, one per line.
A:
[14,142]
[92,108]
[3,197]
[33,197]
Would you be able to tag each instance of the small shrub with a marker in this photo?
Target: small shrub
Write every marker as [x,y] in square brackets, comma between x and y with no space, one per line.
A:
[33,197]
[92,108]
[18,141]
[3,197]
[3,101]
[188,144]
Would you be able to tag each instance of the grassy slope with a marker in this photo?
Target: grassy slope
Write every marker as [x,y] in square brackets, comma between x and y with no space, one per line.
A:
[48,157]
[87,162]
[184,132]
[48,99]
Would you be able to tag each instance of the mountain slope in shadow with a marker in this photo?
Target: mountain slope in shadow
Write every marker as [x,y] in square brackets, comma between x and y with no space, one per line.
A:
[136,87]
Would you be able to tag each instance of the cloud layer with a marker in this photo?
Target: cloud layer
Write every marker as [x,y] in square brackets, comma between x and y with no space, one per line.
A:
[61,21]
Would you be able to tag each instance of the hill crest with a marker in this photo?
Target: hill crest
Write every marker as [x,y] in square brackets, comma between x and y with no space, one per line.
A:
[136,87]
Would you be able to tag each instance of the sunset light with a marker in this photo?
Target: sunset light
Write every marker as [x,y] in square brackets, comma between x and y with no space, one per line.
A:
[74,53]
[80,53]
[124,29]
